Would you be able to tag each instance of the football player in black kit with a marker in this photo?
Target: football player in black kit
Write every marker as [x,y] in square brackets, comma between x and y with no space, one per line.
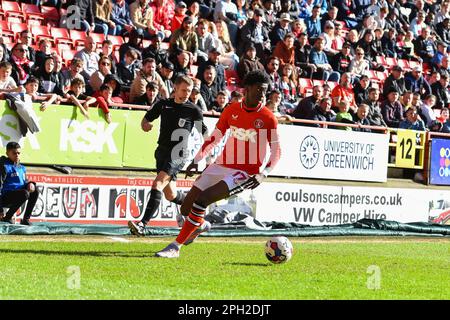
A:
[178,117]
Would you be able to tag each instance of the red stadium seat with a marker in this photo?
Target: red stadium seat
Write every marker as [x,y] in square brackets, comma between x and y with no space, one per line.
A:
[117,41]
[305,86]
[98,38]
[391,61]
[32,12]
[231,77]
[17,28]
[5,30]
[61,35]
[12,9]
[332,84]
[78,36]
[318,82]
[14,19]
[34,22]
[51,15]
[42,32]
[404,64]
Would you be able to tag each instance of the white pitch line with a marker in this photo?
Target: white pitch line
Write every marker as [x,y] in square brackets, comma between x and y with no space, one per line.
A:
[119,239]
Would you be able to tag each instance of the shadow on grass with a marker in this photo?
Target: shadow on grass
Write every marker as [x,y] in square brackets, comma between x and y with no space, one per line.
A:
[82,253]
[248,264]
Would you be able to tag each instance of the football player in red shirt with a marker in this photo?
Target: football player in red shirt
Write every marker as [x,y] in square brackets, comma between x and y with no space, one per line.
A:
[252,127]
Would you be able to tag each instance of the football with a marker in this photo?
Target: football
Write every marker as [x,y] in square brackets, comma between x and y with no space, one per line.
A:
[279,249]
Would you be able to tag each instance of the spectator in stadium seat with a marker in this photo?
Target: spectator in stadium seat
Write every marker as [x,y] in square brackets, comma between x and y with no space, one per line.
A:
[181,66]
[440,53]
[154,50]
[209,87]
[142,17]
[445,115]
[75,95]
[196,97]
[15,188]
[443,30]
[426,111]
[249,62]
[127,70]
[313,24]
[412,121]
[322,112]
[134,42]
[320,60]
[374,114]
[302,56]
[392,110]
[289,89]
[221,102]
[424,46]
[370,50]
[226,10]
[359,66]
[194,12]
[434,77]
[360,118]
[393,21]
[330,15]
[272,68]
[107,51]
[418,24]
[7,83]
[389,43]
[104,101]
[341,62]
[406,100]
[441,91]
[256,33]
[352,38]
[73,72]
[344,92]
[185,39]
[343,116]
[416,82]
[446,126]
[166,73]
[102,20]
[21,65]
[361,89]
[97,78]
[228,55]
[120,15]
[150,97]
[45,50]
[273,104]
[48,79]
[32,94]
[270,13]
[89,57]
[115,84]
[163,12]
[205,40]
[26,38]
[395,80]
[179,15]
[281,29]
[328,36]
[146,74]
[306,106]
[285,50]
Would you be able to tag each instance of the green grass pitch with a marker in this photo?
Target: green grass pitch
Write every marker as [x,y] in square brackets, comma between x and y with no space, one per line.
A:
[77,267]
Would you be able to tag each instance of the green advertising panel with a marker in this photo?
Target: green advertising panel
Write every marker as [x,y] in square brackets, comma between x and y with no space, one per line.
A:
[139,146]
[68,138]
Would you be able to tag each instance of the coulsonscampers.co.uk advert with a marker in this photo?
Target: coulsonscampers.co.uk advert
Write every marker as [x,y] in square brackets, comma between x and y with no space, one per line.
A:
[216,310]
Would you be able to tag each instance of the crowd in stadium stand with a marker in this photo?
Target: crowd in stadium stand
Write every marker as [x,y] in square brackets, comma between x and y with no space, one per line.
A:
[369,62]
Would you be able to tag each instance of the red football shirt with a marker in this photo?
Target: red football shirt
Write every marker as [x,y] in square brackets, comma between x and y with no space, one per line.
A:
[251,132]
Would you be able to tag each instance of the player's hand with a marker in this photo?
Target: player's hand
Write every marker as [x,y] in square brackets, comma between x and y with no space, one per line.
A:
[146,126]
[254,181]
[191,169]
[31,188]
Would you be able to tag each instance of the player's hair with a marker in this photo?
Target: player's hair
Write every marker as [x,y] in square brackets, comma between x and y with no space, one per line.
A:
[12,145]
[184,79]
[256,77]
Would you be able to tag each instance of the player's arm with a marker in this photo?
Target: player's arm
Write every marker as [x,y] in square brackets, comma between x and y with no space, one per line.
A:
[150,116]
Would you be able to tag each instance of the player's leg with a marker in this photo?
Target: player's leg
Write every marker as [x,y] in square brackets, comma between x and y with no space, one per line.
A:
[196,217]
[14,200]
[176,196]
[33,197]
[159,184]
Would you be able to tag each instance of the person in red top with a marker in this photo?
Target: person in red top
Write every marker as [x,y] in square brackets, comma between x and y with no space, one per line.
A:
[252,127]
[163,11]
[344,91]
[104,100]
[180,14]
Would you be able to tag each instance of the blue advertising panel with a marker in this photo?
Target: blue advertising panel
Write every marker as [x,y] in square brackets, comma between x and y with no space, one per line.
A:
[440,162]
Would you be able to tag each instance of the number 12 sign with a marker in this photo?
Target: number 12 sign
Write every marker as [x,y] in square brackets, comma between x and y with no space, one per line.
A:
[406,149]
